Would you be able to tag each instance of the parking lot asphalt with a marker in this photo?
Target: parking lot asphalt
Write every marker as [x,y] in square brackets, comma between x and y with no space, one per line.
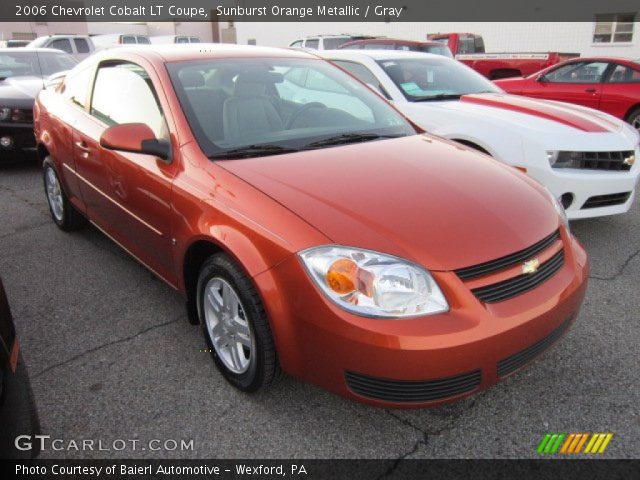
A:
[112,356]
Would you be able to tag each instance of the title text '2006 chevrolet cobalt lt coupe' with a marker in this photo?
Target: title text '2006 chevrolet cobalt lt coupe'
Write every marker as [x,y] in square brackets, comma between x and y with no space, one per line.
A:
[327,237]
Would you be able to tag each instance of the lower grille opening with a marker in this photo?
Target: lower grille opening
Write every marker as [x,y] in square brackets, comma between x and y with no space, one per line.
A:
[607,200]
[412,391]
[514,362]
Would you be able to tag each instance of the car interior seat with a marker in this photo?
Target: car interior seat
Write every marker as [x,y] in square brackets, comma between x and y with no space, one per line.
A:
[207,103]
[250,110]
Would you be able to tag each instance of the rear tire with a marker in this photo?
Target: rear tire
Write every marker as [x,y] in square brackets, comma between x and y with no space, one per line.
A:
[63,213]
[235,325]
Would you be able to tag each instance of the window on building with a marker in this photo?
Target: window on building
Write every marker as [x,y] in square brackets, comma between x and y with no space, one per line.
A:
[614,28]
[23,36]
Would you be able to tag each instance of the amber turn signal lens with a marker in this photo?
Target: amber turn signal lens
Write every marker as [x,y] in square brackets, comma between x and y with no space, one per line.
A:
[342,276]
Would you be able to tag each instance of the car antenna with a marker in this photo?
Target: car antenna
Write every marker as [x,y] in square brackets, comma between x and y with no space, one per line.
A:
[37,54]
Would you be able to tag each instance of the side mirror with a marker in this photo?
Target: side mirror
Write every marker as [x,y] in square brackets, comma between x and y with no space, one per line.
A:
[541,79]
[135,138]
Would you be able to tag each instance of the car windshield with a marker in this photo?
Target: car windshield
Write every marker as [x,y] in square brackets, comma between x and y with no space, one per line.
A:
[435,78]
[251,107]
[39,64]
[437,50]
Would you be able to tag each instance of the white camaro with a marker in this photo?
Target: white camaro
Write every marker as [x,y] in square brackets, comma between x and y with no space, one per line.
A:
[585,157]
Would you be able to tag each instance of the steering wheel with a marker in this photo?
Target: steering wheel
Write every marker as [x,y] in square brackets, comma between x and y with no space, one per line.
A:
[301,110]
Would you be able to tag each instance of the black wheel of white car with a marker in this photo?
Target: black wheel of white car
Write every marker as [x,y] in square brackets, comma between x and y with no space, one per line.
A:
[65,216]
[235,325]
[634,119]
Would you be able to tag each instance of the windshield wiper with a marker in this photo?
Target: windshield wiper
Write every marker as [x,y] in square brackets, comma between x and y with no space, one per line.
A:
[346,138]
[442,96]
[252,151]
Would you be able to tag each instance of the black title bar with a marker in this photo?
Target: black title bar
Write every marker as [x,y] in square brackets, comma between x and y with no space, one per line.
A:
[312,11]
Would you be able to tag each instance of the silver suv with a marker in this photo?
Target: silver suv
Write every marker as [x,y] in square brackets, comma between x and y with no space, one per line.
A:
[78,46]
[327,42]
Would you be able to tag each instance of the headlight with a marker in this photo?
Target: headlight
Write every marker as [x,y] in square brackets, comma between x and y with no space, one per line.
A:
[559,209]
[373,284]
[566,159]
[16,115]
[5,113]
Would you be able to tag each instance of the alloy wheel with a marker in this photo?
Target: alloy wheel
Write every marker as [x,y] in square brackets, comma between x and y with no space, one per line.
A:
[54,194]
[228,326]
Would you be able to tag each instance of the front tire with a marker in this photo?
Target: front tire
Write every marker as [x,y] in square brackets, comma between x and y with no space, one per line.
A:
[64,215]
[235,325]
[634,119]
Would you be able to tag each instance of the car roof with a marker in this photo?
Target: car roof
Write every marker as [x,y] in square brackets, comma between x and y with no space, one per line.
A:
[378,54]
[193,51]
[32,50]
[62,35]
[393,40]
[602,59]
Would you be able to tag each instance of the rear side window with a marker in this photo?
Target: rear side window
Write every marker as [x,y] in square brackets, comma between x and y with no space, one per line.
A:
[76,86]
[128,39]
[466,45]
[312,43]
[143,40]
[335,43]
[123,93]
[182,40]
[61,44]
[82,46]
[624,74]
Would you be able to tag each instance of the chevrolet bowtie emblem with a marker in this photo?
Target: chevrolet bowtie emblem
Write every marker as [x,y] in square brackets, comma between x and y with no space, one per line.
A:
[630,160]
[530,266]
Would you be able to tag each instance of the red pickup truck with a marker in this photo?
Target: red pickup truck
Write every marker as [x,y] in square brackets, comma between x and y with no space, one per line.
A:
[469,49]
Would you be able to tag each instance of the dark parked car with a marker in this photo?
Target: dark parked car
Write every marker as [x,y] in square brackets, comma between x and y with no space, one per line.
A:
[22,75]
[18,414]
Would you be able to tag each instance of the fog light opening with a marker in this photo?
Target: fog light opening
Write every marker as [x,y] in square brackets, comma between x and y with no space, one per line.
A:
[566,199]
[6,142]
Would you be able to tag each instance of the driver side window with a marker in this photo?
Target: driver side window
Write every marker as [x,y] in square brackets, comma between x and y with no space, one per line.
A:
[123,93]
[580,72]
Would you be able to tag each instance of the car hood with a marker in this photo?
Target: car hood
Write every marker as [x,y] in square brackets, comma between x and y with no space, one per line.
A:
[431,201]
[20,89]
[500,119]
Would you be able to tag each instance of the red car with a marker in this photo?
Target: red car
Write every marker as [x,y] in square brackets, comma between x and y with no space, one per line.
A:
[608,84]
[326,236]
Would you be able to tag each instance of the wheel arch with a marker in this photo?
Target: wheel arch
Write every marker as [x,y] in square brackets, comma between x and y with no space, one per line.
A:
[237,246]
[631,109]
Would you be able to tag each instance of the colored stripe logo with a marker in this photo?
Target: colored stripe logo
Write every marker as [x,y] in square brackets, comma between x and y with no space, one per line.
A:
[569,443]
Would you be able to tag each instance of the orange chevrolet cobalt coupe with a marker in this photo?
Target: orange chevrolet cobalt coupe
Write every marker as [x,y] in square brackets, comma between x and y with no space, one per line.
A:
[310,226]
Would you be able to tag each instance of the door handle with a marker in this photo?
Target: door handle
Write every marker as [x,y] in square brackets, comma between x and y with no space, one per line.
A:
[590,90]
[83,146]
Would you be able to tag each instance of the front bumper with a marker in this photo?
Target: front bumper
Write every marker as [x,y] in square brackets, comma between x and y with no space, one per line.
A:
[592,193]
[442,357]
[23,146]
